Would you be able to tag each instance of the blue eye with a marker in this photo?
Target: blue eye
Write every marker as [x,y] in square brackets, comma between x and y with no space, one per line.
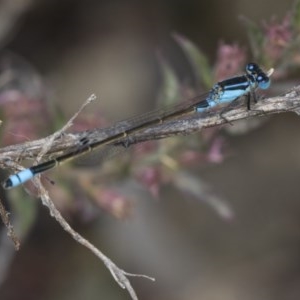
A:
[263,82]
[250,67]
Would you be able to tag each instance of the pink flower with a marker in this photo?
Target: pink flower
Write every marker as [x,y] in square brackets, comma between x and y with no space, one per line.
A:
[230,60]
[113,202]
[150,177]
[278,37]
[215,153]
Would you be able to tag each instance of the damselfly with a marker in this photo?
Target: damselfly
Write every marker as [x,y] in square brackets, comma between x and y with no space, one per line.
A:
[222,92]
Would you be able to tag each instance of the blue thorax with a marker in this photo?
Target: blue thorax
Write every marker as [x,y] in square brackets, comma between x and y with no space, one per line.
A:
[231,89]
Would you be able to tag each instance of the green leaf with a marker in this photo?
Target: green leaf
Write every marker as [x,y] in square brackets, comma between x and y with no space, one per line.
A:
[170,89]
[194,186]
[256,37]
[197,59]
[24,209]
[296,15]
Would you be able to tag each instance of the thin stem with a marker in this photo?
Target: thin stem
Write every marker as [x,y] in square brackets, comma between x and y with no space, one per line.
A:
[61,143]
[289,102]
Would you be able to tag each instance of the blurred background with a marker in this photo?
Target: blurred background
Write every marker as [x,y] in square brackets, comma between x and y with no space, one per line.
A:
[240,242]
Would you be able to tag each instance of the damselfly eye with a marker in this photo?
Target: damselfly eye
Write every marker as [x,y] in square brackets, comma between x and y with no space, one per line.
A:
[252,68]
[263,81]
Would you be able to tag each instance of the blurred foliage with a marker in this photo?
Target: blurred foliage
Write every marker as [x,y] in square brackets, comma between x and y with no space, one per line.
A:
[274,44]
[153,165]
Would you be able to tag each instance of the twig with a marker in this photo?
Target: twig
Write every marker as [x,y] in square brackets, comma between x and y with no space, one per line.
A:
[182,126]
[49,141]
[10,230]
[289,102]
[119,275]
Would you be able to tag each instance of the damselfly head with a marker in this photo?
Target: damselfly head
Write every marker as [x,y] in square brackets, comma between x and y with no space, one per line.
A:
[252,68]
[263,81]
